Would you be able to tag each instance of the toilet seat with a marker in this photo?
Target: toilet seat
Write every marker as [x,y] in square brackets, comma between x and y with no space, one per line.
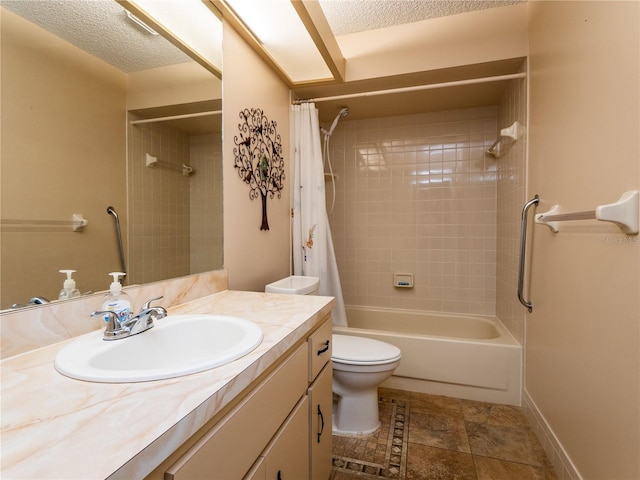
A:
[351,350]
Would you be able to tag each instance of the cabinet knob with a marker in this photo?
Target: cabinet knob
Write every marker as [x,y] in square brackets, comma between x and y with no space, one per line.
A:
[324,348]
[321,423]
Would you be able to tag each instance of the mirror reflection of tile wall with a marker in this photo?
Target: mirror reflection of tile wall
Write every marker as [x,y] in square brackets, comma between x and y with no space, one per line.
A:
[206,202]
[173,218]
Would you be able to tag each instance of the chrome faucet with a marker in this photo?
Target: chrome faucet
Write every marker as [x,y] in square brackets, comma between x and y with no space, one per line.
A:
[117,328]
[32,301]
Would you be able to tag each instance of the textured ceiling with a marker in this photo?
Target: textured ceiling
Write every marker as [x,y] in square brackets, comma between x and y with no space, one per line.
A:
[101,28]
[352,16]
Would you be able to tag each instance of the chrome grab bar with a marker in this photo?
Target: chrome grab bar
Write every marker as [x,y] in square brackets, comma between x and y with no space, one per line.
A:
[112,211]
[523,251]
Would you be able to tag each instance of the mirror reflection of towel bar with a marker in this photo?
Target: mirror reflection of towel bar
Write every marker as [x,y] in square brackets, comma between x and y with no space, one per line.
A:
[152,161]
[77,222]
[112,211]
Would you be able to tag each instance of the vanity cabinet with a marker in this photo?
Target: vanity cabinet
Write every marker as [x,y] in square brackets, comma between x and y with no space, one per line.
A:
[279,430]
[320,400]
[286,457]
[320,406]
[319,349]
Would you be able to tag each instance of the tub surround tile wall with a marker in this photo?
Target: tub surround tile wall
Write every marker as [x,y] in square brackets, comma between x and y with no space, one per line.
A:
[417,194]
[54,426]
[35,327]
[512,191]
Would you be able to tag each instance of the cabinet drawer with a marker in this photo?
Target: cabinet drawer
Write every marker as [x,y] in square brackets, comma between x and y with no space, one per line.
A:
[319,349]
[287,456]
[231,447]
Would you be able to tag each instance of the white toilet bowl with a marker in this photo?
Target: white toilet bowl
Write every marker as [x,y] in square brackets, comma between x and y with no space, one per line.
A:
[360,365]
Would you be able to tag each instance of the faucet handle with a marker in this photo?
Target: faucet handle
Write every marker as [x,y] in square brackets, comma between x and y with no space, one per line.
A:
[114,327]
[147,304]
[114,320]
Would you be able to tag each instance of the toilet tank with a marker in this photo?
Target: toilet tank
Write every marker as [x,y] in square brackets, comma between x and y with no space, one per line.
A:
[295,285]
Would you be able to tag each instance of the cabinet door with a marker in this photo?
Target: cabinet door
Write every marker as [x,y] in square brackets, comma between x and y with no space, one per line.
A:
[319,349]
[287,456]
[231,447]
[320,410]
[258,471]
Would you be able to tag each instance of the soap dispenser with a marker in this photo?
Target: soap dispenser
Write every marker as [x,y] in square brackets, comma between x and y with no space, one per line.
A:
[116,300]
[69,289]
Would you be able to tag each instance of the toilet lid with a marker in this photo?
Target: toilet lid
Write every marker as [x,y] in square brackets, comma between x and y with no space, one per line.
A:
[360,350]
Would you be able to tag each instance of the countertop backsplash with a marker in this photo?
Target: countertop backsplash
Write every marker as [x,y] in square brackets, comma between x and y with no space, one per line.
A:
[29,328]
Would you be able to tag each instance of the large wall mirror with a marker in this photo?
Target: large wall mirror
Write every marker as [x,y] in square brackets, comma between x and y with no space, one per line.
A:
[99,112]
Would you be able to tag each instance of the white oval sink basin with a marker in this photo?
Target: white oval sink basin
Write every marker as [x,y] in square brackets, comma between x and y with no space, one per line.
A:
[178,345]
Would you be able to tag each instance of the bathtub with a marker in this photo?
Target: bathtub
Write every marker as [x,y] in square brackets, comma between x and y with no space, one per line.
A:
[463,356]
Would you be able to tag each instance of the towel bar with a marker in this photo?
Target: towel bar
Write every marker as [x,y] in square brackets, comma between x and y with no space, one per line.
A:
[624,213]
[523,251]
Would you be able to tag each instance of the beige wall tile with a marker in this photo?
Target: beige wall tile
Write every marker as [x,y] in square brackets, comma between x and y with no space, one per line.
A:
[417,194]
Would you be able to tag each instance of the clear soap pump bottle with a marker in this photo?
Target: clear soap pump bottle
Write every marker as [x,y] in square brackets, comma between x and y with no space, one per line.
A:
[69,289]
[116,300]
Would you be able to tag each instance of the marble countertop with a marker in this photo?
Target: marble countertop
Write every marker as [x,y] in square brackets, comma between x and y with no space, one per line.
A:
[60,428]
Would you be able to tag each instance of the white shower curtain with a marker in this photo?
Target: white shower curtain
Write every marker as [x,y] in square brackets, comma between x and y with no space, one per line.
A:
[313,253]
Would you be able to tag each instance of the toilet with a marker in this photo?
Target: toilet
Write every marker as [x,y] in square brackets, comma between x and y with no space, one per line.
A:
[295,285]
[360,365]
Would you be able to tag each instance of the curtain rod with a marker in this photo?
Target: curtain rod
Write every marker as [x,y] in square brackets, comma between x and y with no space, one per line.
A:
[176,117]
[457,83]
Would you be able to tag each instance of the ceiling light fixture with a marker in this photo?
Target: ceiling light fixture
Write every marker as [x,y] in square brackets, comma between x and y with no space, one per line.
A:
[191,25]
[140,23]
[280,32]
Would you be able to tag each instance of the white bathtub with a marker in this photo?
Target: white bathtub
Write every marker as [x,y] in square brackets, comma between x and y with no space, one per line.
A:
[463,356]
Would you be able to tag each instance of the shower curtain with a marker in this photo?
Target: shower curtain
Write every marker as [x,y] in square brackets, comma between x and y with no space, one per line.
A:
[313,253]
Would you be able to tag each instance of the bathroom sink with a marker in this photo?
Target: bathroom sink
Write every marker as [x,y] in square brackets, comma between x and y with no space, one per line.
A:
[178,345]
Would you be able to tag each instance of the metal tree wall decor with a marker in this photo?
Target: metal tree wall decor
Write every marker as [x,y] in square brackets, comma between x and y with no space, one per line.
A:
[258,157]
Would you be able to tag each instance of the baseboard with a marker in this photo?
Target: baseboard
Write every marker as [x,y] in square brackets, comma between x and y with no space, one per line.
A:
[564,467]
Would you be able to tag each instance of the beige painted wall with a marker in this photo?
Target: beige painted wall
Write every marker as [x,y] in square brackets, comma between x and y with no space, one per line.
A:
[65,127]
[253,257]
[166,86]
[583,342]
[465,39]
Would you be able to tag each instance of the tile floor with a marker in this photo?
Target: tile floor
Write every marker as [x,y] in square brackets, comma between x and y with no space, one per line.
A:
[432,437]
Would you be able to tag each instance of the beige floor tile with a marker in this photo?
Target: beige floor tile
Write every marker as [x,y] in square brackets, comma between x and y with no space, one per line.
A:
[494,469]
[430,437]
[428,463]
[396,395]
[481,412]
[439,430]
[435,404]
[515,444]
